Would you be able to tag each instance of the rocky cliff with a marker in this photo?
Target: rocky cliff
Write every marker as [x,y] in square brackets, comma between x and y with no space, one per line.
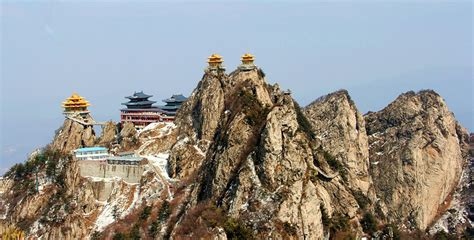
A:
[417,153]
[242,161]
[47,198]
[73,135]
[261,163]
[340,127]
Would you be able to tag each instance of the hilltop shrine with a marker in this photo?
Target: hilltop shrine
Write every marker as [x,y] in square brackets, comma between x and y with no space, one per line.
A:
[75,104]
[215,63]
[247,62]
[75,108]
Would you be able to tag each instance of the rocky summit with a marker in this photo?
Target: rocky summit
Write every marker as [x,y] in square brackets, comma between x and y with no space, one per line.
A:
[243,160]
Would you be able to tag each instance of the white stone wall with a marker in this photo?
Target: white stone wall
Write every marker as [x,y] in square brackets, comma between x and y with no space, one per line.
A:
[129,173]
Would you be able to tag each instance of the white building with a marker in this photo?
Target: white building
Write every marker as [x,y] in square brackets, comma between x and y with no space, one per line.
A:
[92,153]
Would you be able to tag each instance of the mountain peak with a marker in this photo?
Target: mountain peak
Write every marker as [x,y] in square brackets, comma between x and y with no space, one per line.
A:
[242,160]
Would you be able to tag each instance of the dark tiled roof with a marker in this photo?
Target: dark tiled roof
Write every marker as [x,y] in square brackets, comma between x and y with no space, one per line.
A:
[169,113]
[176,98]
[174,107]
[139,95]
[138,103]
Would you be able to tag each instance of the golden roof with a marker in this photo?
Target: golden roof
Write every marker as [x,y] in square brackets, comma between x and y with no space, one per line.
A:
[75,101]
[215,58]
[248,57]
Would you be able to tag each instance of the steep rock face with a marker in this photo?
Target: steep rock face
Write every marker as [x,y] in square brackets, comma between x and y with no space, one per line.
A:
[204,105]
[128,138]
[109,133]
[340,127]
[241,151]
[259,163]
[158,139]
[197,121]
[128,130]
[67,206]
[416,154]
[73,135]
[54,211]
[199,118]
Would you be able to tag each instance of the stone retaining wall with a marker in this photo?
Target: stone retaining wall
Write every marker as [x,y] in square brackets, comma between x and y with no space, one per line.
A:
[129,173]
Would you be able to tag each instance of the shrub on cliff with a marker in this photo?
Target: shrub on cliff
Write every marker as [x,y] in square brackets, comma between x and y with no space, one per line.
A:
[145,213]
[369,224]
[335,164]
[362,200]
[235,229]
[164,212]
[303,122]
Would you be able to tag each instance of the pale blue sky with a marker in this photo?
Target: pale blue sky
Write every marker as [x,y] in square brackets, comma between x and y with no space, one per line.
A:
[107,50]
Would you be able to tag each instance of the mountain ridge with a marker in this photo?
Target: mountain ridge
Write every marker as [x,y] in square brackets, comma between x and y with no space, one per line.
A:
[246,161]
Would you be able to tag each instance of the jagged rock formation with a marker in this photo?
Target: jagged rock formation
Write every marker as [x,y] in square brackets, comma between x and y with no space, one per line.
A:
[245,159]
[51,212]
[416,154]
[197,121]
[259,164]
[73,135]
[128,130]
[340,127]
[157,138]
[66,205]
[109,133]
[128,138]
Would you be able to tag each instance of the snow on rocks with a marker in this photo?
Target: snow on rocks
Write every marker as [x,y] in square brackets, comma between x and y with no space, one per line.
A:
[105,218]
[199,151]
[5,207]
[183,141]
[164,128]
[118,205]
[160,160]
[457,214]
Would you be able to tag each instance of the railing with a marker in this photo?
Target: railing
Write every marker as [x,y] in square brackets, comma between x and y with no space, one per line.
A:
[140,113]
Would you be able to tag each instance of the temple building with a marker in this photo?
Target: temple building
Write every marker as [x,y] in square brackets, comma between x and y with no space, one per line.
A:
[75,108]
[126,159]
[172,105]
[92,153]
[140,111]
[75,104]
[247,62]
[215,63]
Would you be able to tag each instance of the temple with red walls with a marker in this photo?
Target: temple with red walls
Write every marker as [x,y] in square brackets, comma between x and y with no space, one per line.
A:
[141,111]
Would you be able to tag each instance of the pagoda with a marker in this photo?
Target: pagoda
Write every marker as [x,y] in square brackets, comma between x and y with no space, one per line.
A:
[140,111]
[247,62]
[75,105]
[215,62]
[172,105]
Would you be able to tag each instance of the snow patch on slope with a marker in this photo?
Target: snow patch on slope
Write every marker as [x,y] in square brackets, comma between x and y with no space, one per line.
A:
[164,128]
[160,161]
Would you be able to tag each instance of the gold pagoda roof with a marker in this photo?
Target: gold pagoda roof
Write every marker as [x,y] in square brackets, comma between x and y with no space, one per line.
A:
[215,58]
[248,57]
[75,101]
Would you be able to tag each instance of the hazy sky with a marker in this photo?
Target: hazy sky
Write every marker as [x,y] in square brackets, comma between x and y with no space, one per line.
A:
[106,51]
